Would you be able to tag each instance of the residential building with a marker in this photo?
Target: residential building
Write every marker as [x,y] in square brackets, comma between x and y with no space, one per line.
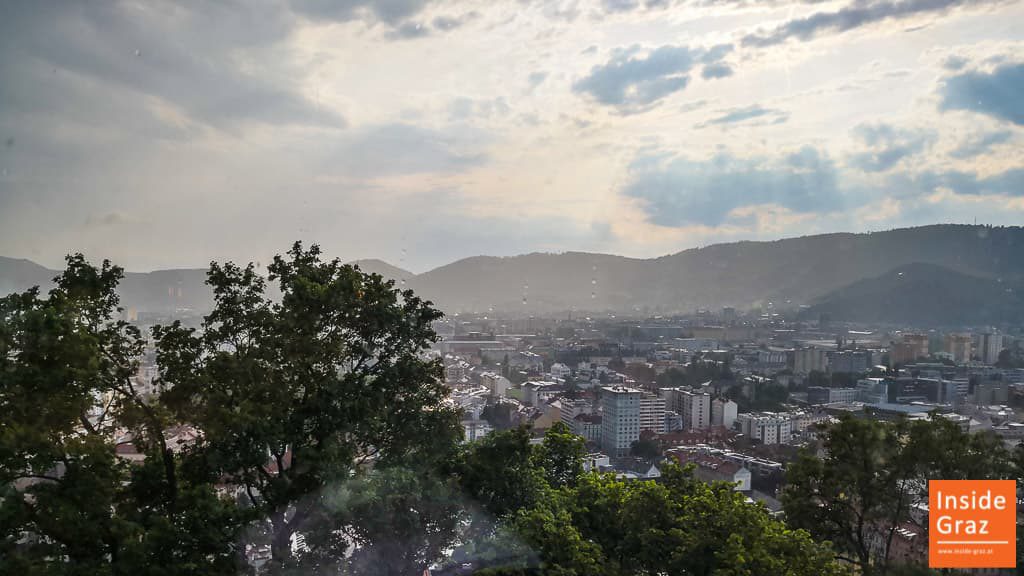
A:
[958,346]
[766,427]
[673,421]
[872,390]
[496,383]
[807,360]
[991,392]
[710,468]
[695,408]
[588,426]
[595,462]
[559,370]
[989,347]
[573,408]
[652,413]
[537,393]
[849,361]
[620,422]
[823,395]
[919,344]
[723,412]
[474,430]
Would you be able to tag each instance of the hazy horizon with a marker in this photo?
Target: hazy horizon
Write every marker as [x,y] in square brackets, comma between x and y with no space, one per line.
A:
[59,264]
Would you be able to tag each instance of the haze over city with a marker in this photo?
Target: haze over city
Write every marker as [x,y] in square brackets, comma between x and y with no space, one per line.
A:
[422,132]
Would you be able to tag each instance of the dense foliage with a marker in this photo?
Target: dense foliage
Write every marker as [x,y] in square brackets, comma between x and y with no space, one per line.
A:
[311,426]
[873,477]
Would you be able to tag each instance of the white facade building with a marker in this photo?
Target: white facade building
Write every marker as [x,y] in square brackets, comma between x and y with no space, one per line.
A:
[695,408]
[620,423]
[559,370]
[652,413]
[474,430]
[766,427]
[723,412]
[496,383]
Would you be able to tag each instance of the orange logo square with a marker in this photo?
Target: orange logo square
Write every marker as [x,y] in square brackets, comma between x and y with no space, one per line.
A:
[972,523]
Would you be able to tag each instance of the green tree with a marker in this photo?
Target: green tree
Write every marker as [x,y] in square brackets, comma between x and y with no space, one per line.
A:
[69,505]
[399,519]
[561,456]
[500,473]
[646,448]
[874,474]
[297,395]
[681,525]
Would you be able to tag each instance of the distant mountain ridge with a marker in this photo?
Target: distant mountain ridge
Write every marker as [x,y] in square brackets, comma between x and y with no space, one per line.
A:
[787,272]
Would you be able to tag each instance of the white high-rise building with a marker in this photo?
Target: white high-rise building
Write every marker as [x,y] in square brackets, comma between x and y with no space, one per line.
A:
[652,413]
[989,347]
[695,407]
[620,420]
[723,412]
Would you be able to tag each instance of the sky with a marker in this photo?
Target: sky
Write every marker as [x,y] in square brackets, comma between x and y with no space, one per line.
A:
[164,135]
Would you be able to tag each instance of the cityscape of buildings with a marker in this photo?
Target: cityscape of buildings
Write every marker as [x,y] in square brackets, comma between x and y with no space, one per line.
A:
[735,396]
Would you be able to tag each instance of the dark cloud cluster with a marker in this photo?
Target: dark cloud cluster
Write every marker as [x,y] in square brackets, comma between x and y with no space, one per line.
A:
[677,191]
[393,12]
[857,14]
[1007,183]
[182,57]
[716,70]
[982,144]
[754,112]
[999,93]
[634,82]
[887,145]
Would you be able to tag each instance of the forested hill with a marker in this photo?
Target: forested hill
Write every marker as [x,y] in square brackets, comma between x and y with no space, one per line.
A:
[925,294]
[792,271]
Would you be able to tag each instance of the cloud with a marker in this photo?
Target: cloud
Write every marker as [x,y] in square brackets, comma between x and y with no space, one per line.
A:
[855,15]
[187,64]
[981,144]
[389,11]
[954,63]
[633,83]
[676,191]
[716,70]
[447,23]
[536,79]
[997,93]
[888,145]
[754,111]
[398,149]
[693,105]
[111,219]
[620,5]
[462,109]
[1007,183]
[410,31]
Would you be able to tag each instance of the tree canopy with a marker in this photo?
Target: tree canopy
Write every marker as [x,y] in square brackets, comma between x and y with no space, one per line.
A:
[305,430]
[873,479]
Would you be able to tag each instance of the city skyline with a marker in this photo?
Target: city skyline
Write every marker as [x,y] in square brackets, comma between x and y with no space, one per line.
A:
[419,133]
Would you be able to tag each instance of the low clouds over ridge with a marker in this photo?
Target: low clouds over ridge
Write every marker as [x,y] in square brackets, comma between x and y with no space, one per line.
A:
[677,191]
